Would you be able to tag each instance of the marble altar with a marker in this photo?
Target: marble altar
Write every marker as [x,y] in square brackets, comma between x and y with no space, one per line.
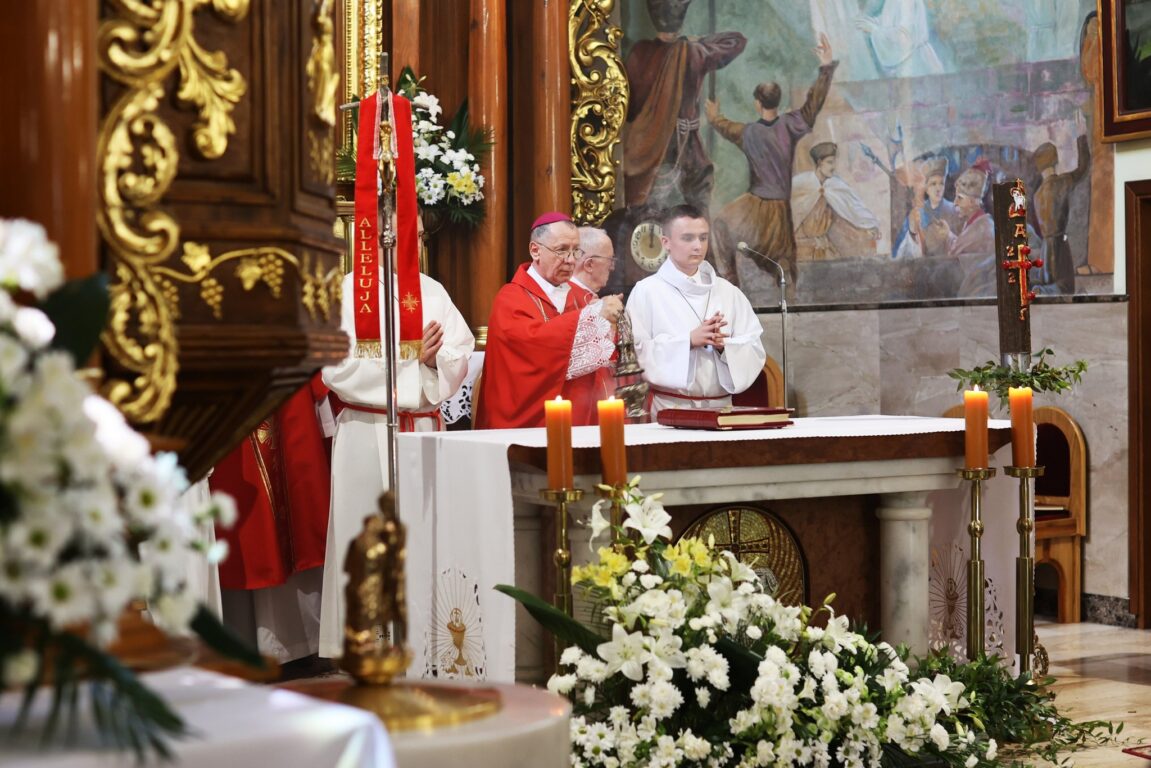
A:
[471,503]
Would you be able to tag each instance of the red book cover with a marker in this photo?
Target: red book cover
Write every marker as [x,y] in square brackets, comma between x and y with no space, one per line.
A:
[732,417]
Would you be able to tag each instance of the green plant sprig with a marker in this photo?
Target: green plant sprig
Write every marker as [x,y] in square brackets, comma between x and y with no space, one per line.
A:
[1042,376]
[1018,712]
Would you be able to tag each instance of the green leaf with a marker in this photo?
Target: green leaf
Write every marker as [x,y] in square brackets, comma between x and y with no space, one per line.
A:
[79,310]
[743,662]
[562,626]
[223,640]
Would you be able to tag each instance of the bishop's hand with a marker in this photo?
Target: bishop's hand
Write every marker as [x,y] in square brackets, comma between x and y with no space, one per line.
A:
[611,307]
[433,340]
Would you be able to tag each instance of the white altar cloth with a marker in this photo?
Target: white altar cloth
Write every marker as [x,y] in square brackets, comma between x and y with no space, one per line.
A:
[458,494]
[233,723]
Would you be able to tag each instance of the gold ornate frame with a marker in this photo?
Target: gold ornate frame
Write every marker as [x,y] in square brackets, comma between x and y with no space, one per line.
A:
[599,107]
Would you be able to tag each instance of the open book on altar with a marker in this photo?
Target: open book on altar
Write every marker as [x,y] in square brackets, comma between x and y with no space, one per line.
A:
[731,417]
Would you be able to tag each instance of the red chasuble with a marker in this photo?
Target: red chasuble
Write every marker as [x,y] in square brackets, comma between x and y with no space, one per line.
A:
[527,358]
[280,476]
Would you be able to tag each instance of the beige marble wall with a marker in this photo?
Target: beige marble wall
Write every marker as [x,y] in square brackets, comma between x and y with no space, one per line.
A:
[896,361]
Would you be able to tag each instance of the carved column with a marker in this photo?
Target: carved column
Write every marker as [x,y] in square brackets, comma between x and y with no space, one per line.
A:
[551,126]
[48,136]
[488,105]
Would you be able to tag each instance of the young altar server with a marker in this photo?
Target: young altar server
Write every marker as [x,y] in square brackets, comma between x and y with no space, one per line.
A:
[696,335]
[540,345]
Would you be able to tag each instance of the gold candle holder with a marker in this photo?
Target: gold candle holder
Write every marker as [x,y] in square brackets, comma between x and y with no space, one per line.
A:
[1025,567]
[562,556]
[616,494]
[976,616]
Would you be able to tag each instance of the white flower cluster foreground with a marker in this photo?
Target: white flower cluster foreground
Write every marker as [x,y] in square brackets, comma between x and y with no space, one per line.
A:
[446,175]
[89,518]
[663,691]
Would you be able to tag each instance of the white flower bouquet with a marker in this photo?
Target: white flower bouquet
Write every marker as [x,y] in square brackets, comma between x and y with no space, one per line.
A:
[448,178]
[690,663]
[90,520]
[449,184]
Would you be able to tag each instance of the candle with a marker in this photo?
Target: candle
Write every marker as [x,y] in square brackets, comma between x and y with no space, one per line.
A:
[975,413]
[1022,427]
[558,414]
[613,455]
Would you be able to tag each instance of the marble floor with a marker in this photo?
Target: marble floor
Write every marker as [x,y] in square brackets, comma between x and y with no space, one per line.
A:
[1102,673]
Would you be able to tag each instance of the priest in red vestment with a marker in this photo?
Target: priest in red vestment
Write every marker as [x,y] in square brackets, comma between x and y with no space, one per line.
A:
[539,346]
[280,477]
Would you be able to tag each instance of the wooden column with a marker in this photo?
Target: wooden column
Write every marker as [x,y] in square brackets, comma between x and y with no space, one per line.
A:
[551,125]
[405,50]
[48,136]
[488,106]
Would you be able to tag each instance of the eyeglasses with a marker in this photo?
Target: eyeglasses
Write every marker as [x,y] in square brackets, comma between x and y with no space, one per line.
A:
[564,255]
[609,259]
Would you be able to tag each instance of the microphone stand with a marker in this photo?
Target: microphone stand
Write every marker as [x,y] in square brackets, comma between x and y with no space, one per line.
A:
[782,316]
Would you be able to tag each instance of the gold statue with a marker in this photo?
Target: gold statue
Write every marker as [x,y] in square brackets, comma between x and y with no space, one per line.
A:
[376,628]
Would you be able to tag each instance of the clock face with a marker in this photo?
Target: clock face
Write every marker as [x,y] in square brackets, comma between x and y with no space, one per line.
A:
[646,247]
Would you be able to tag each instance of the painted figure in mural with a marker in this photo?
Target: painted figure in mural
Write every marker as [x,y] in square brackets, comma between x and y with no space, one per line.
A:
[1099,255]
[901,39]
[1052,208]
[820,200]
[1051,28]
[973,246]
[761,217]
[664,159]
[919,237]
[837,18]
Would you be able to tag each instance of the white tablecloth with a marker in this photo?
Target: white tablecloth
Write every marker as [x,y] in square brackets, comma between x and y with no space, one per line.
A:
[233,723]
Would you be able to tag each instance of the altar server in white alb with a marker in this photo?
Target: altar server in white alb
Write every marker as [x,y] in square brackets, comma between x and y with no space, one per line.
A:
[360,445]
[696,335]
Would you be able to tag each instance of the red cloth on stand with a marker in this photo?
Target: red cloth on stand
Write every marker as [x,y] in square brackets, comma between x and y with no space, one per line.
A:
[280,477]
[527,358]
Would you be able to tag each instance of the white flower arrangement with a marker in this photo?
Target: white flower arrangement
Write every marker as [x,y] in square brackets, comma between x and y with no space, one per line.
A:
[90,520]
[448,178]
[693,664]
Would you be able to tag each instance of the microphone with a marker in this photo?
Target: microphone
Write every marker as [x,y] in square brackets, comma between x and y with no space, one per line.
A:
[745,248]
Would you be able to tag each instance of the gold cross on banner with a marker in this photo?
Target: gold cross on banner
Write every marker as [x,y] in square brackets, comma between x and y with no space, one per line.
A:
[1017,260]
[410,302]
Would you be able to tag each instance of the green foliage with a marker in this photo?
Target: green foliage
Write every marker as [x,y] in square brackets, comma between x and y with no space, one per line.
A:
[127,714]
[1042,377]
[1018,712]
[79,310]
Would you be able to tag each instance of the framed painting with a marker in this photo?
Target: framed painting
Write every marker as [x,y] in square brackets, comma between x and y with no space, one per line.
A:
[1126,50]
[854,142]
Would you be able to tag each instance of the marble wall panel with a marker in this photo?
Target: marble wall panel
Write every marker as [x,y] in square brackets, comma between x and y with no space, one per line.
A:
[896,361]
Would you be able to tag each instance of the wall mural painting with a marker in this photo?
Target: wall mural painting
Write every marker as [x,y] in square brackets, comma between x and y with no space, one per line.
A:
[856,141]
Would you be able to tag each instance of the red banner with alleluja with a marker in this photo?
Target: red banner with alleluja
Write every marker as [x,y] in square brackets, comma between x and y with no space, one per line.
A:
[366,263]
[407,234]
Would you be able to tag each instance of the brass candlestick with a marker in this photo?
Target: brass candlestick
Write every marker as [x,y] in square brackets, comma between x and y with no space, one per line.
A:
[562,557]
[1025,567]
[616,494]
[976,617]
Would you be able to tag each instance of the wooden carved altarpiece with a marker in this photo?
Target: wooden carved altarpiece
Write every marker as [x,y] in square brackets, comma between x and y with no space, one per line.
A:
[214,165]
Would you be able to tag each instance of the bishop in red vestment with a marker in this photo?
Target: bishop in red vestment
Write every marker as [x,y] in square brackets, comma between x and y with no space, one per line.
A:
[539,345]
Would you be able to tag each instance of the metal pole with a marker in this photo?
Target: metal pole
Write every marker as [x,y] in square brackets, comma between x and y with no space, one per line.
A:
[783,335]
